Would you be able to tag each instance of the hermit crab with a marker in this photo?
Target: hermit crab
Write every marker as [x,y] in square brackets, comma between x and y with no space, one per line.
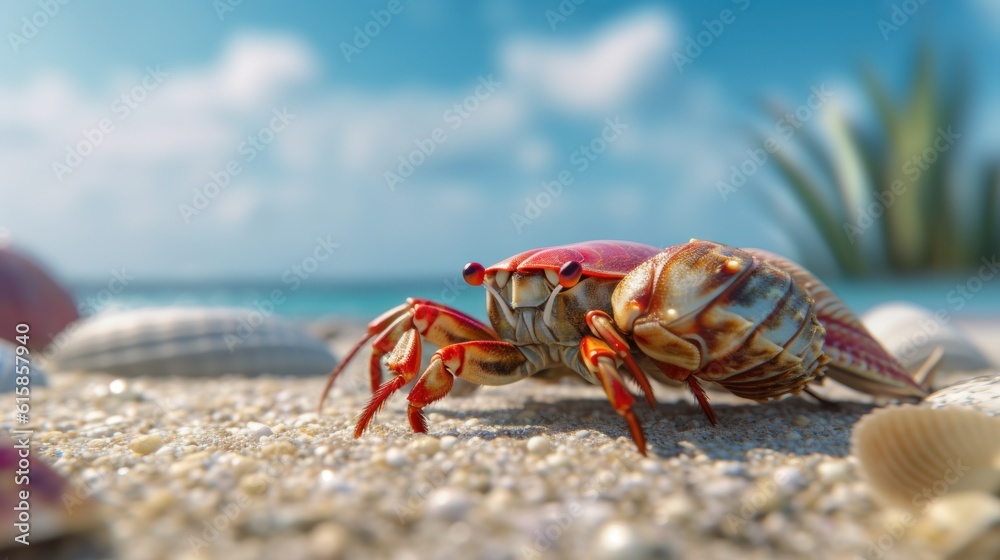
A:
[755,323]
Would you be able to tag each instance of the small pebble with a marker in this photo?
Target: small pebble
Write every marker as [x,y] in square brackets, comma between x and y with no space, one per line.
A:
[448,442]
[426,445]
[328,540]
[118,386]
[255,484]
[280,447]
[257,429]
[790,479]
[618,540]
[539,445]
[450,504]
[800,421]
[396,457]
[144,445]
[834,471]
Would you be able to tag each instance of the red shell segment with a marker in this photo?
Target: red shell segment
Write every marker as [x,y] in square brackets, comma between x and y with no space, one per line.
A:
[604,259]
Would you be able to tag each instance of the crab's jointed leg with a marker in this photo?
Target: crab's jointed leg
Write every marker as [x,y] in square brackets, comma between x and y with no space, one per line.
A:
[603,327]
[397,332]
[600,359]
[484,362]
[677,373]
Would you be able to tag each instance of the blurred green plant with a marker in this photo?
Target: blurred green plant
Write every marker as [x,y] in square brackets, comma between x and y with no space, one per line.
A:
[854,181]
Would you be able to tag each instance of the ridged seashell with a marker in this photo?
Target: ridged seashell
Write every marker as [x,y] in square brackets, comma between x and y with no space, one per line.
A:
[63,522]
[192,342]
[962,526]
[979,393]
[911,455]
[9,365]
[29,295]
[910,333]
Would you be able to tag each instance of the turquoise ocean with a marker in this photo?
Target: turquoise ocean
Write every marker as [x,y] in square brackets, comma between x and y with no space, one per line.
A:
[963,297]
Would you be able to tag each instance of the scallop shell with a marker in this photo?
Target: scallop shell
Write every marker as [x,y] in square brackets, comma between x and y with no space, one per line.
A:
[912,454]
[191,342]
[911,333]
[8,371]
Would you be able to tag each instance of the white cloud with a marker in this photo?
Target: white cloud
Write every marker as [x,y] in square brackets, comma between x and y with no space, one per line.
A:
[601,72]
[990,9]
[323,175]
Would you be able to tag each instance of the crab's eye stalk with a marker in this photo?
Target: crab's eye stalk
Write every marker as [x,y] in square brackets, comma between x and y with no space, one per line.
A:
[474,273]
[569,274]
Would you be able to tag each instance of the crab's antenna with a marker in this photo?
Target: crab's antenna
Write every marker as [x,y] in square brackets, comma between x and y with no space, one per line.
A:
[340,367]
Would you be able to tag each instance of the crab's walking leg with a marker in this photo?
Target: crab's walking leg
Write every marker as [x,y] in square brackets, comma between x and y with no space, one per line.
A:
[680,374]
[485,362]
[432,321]
[603,327]
[600,359]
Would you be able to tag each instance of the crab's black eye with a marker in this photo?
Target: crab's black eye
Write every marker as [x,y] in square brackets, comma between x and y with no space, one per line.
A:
[474,273]
[569,274]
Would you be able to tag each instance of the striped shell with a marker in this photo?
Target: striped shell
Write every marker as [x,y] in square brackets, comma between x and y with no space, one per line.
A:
[192,342]
[725,315]
[911,454]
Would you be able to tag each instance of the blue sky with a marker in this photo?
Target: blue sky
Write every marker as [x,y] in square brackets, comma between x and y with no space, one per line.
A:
[197,86]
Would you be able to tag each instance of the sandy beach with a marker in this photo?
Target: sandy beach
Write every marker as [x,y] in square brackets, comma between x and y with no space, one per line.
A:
[245,468]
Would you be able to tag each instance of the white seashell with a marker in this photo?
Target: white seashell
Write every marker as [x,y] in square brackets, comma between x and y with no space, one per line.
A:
[910,333]
[979,393]
[9,365]
[962,526]
[191,342]
[910,455]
